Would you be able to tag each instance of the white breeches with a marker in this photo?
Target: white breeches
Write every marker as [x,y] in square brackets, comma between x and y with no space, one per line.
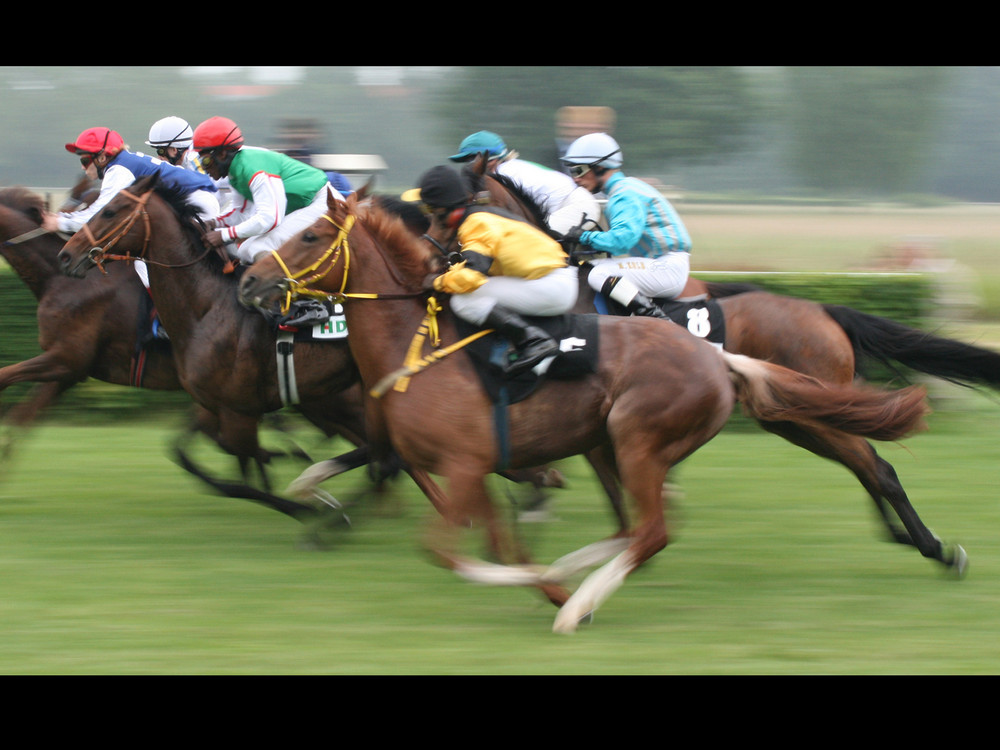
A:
[553,294]
[579,205]
[295,222]
[661,277]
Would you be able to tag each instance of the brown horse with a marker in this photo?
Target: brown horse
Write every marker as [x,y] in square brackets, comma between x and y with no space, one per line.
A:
[223,352]
[829,342]
[96,328]
[641,402]
[86,329]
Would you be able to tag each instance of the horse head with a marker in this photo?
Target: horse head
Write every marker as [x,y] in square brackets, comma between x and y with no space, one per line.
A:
[309,257]
[26,203]
[116,225]
[324,260]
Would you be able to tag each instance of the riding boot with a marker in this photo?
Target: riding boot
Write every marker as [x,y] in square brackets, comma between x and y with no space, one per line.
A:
[625,293]
[531,344]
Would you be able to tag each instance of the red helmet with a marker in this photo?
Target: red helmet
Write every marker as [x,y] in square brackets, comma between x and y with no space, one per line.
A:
[96,140]
[217,132]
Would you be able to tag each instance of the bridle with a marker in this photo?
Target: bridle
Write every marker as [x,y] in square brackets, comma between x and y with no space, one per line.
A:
[298,284]
[98,253]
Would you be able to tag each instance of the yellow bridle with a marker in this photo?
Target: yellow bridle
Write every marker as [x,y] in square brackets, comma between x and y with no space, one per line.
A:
[297,284]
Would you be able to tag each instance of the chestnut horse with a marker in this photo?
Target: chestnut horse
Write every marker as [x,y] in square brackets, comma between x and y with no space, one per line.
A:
[656,395]
[829,342]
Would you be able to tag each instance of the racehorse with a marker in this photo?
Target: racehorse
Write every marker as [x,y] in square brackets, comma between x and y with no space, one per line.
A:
[640,402]
[829,342]
[95,327]
[86,329]
[224,355]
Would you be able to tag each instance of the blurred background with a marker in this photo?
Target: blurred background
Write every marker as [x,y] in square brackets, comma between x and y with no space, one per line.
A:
[783,131]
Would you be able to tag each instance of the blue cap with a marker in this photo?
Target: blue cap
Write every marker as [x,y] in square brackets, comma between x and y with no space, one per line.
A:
[476,143]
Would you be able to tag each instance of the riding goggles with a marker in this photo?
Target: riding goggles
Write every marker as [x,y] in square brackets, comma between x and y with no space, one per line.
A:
[578,170]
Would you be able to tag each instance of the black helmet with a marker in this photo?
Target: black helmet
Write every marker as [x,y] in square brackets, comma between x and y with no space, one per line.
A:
[443,187]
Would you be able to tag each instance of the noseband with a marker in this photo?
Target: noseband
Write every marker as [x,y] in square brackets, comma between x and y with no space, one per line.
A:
[98,253]
[297,284]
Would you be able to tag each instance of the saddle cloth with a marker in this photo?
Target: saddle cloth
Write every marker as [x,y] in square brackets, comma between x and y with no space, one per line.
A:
[702,317]
[578,342]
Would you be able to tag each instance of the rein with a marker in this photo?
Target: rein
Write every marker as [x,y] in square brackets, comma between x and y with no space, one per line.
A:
[298,285]
[25,237]
[99,247]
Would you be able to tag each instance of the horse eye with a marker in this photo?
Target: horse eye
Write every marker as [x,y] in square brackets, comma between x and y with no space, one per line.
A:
[309,236]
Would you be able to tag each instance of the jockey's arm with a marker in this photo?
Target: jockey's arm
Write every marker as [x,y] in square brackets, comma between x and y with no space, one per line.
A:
[261,214]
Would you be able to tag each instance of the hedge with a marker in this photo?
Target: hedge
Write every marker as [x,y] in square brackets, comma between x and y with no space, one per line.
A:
[906,298]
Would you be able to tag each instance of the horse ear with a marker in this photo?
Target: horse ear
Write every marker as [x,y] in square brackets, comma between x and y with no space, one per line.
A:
[331,200]
[479,163]
[365,190]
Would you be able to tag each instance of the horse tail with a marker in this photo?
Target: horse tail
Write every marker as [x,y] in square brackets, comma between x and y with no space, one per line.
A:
[889,342]
[772,393]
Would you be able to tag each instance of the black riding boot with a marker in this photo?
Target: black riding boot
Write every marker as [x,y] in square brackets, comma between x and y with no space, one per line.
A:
[532,344]
[624,293]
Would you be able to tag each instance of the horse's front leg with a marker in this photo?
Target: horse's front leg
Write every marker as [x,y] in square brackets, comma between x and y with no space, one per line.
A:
[470,505]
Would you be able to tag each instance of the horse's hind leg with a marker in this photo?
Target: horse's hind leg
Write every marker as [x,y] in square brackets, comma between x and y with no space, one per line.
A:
[879,479]
[602,460]
[643,475]
[468,503]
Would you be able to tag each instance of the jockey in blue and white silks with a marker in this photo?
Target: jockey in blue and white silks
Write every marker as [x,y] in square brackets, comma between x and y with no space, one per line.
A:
[648,242]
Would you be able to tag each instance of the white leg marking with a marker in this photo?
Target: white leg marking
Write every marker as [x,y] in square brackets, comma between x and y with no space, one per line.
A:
[593,592]
[586,557]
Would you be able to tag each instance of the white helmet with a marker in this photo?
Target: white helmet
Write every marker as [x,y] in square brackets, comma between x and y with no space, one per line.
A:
[596,150]
[170,131]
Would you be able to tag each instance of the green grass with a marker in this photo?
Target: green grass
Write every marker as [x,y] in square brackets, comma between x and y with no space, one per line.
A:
[114,561]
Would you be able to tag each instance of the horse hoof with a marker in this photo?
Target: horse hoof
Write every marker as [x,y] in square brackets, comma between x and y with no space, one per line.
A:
[959,561]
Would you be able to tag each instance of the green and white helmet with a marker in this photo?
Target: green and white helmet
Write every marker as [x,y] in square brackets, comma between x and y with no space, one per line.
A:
[595,150]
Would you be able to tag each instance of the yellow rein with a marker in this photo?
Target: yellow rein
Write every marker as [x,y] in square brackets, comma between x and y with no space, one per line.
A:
[298,285]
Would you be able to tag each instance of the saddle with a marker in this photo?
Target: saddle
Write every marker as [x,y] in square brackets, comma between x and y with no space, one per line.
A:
[578,341]
[694,310]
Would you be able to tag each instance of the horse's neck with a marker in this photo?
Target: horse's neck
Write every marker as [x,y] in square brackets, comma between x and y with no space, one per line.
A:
[184,288]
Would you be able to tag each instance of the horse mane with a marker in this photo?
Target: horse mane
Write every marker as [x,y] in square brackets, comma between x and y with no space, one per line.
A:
[190,222]
[522,196]
[414,258]
[24,201]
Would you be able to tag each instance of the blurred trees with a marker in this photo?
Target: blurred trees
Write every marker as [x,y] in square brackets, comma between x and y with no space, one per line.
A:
[862,128]
[665,115]
[776,130]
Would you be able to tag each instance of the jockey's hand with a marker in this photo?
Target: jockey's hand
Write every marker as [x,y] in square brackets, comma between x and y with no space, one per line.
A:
[50,223]
[214,238]
[572,236]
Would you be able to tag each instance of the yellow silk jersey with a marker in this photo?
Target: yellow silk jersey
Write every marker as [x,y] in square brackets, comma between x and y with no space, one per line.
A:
[495,245]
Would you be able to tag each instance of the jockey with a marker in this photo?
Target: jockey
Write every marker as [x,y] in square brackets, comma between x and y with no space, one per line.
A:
[565,204]
[171,137]
[649,245]
[104,156]
[275,198]
[508,269]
